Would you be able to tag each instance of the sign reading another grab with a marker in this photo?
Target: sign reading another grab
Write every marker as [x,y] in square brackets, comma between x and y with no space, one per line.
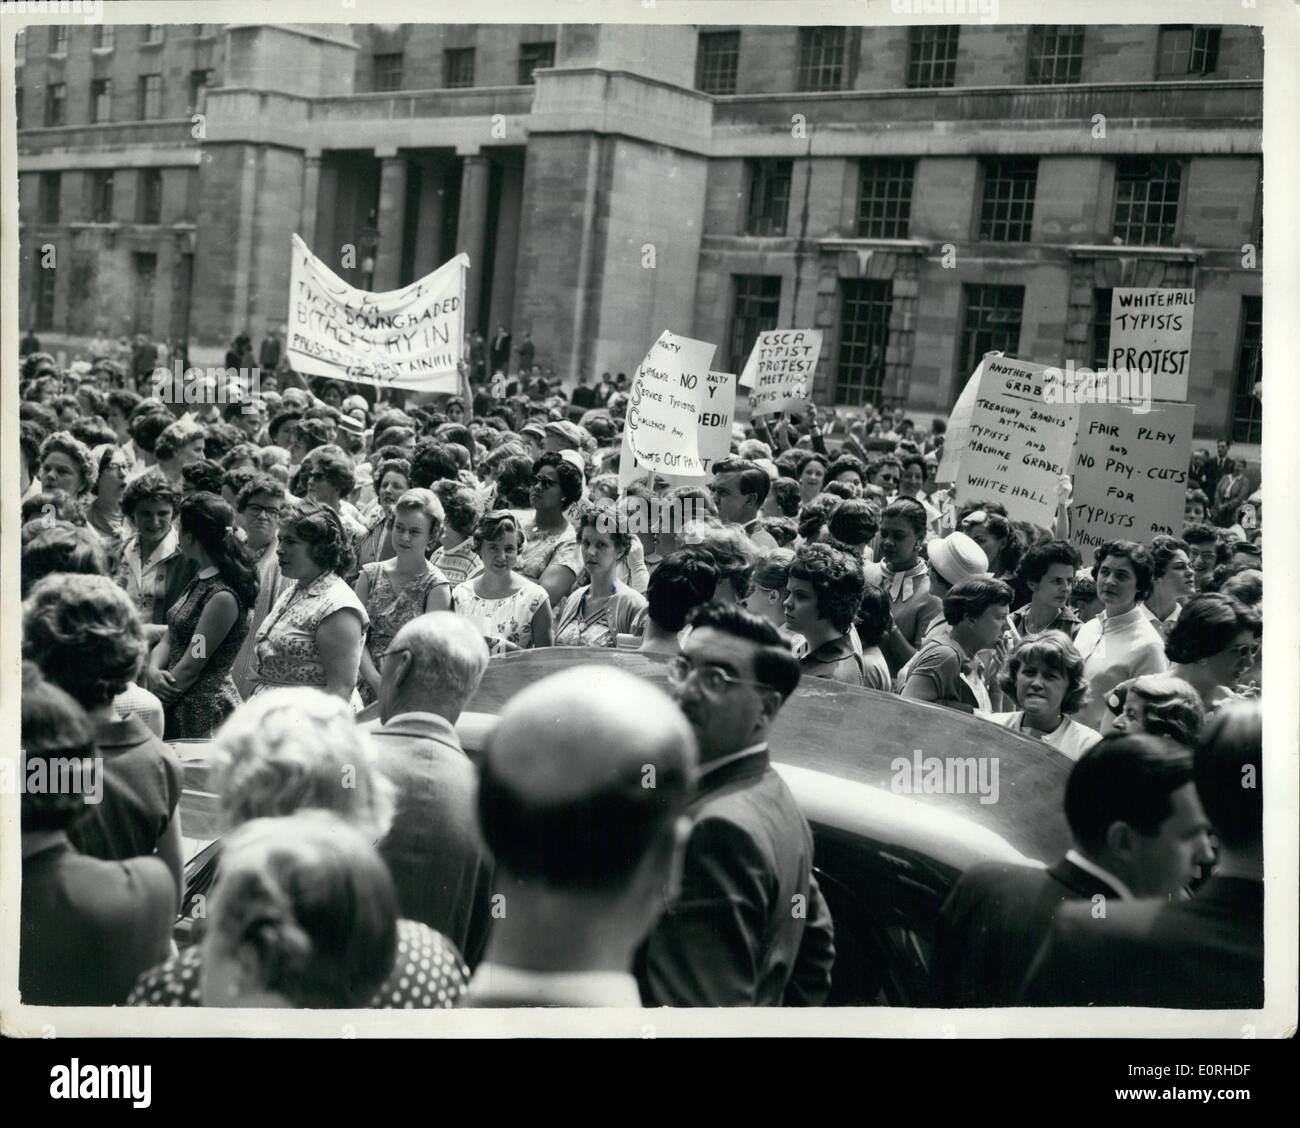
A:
[780,370]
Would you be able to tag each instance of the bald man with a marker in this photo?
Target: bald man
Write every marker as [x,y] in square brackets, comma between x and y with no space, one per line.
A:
[583,791]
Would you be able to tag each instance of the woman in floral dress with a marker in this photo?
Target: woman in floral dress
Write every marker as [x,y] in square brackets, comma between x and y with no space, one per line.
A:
[512,612]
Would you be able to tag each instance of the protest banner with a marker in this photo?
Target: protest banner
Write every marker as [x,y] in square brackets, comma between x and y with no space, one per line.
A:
[1151,333]
[409,338]
[954,438]
[1018,444]
[780,370]
[661,432]
[1130,473]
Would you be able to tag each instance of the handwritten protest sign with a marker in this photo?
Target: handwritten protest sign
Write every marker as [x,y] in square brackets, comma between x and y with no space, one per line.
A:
[408,338]
[1130,472]
[661,431]
[717,410]
[1151,333]
[780,370]
[1018,443]
[954,439]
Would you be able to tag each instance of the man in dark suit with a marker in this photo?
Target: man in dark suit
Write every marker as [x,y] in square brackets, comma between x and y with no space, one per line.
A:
[499,350]
[1206,952]
[1139,831]
[582,801]
[750,927]
[430,670]
[1233,488]
[1214,468]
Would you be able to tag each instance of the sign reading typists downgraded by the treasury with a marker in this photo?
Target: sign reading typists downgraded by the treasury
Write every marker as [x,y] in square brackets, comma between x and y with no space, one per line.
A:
[780,370]
[1018,441]
[661,431]
[1151,333]
[1130,472]
[408,338]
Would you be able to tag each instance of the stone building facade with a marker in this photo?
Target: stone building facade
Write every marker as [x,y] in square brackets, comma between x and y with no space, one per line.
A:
[920,194]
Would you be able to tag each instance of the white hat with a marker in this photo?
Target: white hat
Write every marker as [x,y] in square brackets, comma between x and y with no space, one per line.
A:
[957,557]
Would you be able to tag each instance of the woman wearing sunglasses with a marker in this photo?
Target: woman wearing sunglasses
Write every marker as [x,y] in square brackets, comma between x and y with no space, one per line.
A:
[1213,645]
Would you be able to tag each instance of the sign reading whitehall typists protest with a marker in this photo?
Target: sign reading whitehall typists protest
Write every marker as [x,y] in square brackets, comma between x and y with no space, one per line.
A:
[780,370]
[1151,332]
[1130,472]
[661,431]
[1018,442]
[409,338]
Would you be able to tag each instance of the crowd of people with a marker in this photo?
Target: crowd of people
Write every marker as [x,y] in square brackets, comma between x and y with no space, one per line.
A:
[315,581]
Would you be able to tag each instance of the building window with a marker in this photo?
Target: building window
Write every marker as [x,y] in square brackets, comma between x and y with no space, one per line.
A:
[101,100]
[716,62]
[1007,212]
[56,104]
[154,33]
[769,196]
[59,39]
[50,185]
[758,301]
[885,197]
[865,306]
[932,56]
[1100,327]
[151,190]
[1185,50]
[821,58]
[992,322]
[101,196]
[388,71]
[1146,200]
[200,80]
[531,57]
[1055,54]
[46,280]
[102,38]
[145,267]
[458,68]
[1247,425]
[150,97]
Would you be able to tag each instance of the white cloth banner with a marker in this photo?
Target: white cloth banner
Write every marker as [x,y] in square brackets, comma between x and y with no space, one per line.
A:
[409,338]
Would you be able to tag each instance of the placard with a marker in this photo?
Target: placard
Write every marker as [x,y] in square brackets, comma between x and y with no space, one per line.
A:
[408,338]
[1130,473]
[954,438]
[780,370]
[717,413]
[1018,443]
[661,431]
[1151,333]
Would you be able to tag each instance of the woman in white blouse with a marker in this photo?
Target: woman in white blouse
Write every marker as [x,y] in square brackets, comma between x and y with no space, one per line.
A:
[1120,643]
[1044,677]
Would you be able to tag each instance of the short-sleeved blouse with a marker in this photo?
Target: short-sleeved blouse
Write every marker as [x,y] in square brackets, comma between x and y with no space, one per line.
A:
[391,608]
[510,618]
[541,550]
[285,652]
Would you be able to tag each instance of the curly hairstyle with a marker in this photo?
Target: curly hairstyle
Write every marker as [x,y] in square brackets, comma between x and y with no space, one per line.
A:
[815,514]
[783,530]
[854,522]
[1052,651]
[288,750]
[432,462]
[514,479]
[85,634]
[1169,706]
[775,666]
[204,475]
[241,454]
[54,727]
[1208,623]
[105,456]
[786,491]
[321,529]
[836,579]
[569,476]
[460,506]
[971,598]
[147,423]
[211,522]
[1035,563]
[910,510]
[393,465]
[733,553]
[60,547]
[495,522]
[334,466]
[53,505]
[842,465]
[603,516]
[174,436]
[1011,541]
[258,484]
[1162,551]
[1135,554]
[1246,587]
[62,442]
[152,485]
[788,461]
[92,431]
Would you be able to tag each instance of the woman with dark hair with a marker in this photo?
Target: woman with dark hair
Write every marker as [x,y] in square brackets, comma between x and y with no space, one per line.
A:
[683,581]
[853,525]
[1044,676]
[811,475]
[190,668]
[314,633]
[56,546]
[873,623]
[1172,581]
[977,611]
[1213,646]
[392,480]
[1047,572]
[1002,544]
[329,480]
[512,612]
[551,556]
[605,607]
[906,577]
[849,469]
[1160,705]
[822,595]
[151,567]
[512,475]
[766,597]
[455,556]
[1120,643]
[87,926]
[66,464]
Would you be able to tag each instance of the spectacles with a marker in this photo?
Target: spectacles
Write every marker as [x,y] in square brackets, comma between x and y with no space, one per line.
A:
[270,511]
[713,679]
[1245,649]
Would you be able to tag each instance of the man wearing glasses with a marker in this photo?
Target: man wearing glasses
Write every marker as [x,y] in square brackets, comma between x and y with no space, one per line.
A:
[258,507]
[750,927]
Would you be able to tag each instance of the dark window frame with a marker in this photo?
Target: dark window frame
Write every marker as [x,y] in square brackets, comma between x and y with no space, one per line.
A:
[383,71]
[149,200]
[988,312]
[46,287]
[56,105]
[932,51]
[1187,50]
[755,308]
[1009,187]
[885,186]
[49,202]
[1247,425]
[768,209]
[101,195]
[149,31]
[198,91]
[717,62]
[453,68]
[1054,55]
[58,39]
[1103,298]
[143,92]
[538,55]
[1152,217]
[103,38]
[822,64]
[101,87]
[866,306]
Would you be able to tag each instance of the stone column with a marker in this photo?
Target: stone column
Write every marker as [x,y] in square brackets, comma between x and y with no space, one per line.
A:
[429,253]
[392,213]
[310,199]
[471,230]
